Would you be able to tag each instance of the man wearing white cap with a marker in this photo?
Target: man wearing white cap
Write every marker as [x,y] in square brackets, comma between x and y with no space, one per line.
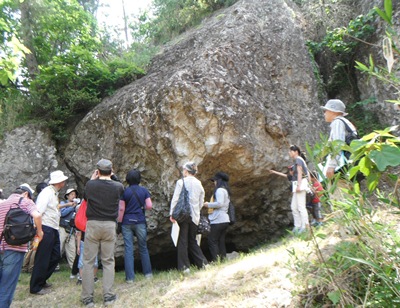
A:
[102,195]
[335,112]
[12,256]
[48,253]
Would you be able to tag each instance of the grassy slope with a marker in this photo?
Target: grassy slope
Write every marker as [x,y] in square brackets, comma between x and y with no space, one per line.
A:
[271,276]
[257,279]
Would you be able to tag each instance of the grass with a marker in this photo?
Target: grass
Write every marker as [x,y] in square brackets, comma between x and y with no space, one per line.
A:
[246,281]
[288,273]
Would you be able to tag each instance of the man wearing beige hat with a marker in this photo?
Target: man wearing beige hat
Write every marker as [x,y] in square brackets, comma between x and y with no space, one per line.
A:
[48,252]
[335,112]
[102,195]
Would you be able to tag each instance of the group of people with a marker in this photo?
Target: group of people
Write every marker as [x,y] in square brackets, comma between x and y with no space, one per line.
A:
[301,177]
[112,209]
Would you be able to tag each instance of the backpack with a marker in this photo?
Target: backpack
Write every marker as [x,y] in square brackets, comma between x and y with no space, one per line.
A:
[18,226]
[182,209]
[68,221]
[80,217]
[231,213]
[350,136]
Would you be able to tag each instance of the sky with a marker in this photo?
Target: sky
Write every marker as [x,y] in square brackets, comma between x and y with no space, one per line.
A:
[113,14]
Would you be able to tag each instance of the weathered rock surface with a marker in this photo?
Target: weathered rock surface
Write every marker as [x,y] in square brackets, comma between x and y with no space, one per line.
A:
[29,155]
[231,95]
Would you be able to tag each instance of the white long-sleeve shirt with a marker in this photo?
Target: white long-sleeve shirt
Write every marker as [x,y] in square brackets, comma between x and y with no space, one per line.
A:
[220,207]
[47,204]
[338,132]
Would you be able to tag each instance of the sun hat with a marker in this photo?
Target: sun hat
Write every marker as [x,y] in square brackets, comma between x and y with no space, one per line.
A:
[335,105]
[104,165]
[191,167]
[220,176]
[27,188]
[70,190]
[57,177]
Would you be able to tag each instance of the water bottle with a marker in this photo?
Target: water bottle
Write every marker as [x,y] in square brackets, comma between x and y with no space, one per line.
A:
[35,242]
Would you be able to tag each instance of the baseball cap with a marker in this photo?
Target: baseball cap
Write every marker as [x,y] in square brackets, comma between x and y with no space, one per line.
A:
[104,165]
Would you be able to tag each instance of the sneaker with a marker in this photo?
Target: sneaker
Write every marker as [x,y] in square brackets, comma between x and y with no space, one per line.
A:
[314,222]
[42,292]
[301,230]
[96,279]
[47,285]
[79,281]
[88,302]
[72,276]
[186,271]
[57,269]
[148,276]
[129,281]
[109,300]
[319,224]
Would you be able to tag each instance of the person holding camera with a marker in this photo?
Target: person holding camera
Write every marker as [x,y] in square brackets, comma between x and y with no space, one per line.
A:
[67,233]
[102,195]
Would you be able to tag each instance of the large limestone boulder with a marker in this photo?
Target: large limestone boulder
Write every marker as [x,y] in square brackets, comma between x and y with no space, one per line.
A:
[231,95]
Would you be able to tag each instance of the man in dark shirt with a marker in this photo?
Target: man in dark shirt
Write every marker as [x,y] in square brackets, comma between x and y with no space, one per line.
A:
[102,195]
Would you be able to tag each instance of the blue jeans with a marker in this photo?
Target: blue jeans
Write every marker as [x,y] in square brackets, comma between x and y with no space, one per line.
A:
[140,231]
[10,268]
[80,261]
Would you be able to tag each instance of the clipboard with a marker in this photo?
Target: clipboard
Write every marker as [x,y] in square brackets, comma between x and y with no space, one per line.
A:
[175,233]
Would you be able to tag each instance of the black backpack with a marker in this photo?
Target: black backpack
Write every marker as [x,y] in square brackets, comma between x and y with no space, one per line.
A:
[18,226]
[231,213]
[68,221]
[350,136]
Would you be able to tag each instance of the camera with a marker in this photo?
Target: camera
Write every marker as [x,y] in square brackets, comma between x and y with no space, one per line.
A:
[76,200]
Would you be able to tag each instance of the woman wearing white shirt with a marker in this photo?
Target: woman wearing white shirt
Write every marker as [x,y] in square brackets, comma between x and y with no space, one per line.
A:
[188,229]
[218,216]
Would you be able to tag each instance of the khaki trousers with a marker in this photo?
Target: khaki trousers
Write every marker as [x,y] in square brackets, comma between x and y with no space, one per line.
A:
[100,237]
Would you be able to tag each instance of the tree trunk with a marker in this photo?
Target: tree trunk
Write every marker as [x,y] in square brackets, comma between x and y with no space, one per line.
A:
[27,38]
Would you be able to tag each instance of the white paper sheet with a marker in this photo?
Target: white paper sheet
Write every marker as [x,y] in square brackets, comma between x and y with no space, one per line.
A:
[198,239]
[175,233]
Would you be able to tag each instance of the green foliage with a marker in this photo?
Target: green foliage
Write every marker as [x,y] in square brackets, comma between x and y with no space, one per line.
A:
[76,66]
[12,50]
[73,84]
[367,266]
[363,269]
[388,75]
[387,14]
[173,17]
[345,39]
[365,120]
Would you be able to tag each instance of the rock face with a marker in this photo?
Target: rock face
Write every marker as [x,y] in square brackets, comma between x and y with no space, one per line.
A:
[28,155]
[376,90]
[231,95]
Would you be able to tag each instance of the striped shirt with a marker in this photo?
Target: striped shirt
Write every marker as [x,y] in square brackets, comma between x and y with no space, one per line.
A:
[27,205]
